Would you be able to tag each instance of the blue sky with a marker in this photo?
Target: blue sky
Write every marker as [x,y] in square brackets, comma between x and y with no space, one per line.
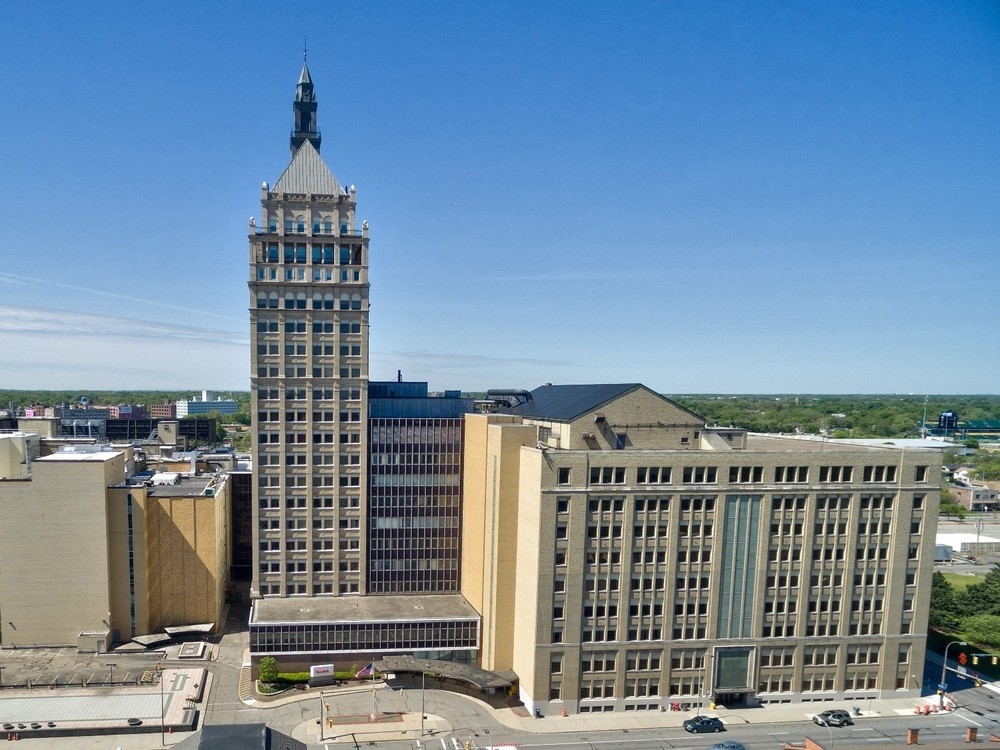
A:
[705,197]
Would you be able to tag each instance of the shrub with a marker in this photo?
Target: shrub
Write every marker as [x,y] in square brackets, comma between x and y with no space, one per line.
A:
[268,671]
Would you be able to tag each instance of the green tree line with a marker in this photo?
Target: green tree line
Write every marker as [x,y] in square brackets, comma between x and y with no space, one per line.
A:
[972,613]
[891,416]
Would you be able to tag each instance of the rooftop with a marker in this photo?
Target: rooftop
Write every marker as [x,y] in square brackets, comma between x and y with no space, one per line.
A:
[188,487]
[764,442]
[357,609]
[74,456]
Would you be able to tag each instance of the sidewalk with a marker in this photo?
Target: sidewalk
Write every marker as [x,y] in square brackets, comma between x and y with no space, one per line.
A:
[407,726]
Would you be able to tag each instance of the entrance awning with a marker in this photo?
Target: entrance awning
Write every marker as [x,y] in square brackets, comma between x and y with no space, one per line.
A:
[480,678]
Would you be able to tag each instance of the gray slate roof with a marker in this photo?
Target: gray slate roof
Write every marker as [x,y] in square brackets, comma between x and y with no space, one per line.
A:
[308,173]
[567,402]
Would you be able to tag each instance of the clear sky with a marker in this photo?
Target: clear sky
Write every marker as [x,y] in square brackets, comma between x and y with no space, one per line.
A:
[702,196]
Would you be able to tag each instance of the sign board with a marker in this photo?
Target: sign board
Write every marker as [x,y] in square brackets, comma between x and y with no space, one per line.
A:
[320,670]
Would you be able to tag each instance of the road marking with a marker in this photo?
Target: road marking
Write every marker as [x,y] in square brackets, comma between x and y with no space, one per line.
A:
[963,718]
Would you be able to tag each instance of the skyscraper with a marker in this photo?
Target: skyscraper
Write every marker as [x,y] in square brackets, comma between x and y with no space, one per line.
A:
[309,334]
[309,373]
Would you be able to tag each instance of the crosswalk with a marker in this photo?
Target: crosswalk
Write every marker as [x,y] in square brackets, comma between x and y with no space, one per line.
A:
[245,689]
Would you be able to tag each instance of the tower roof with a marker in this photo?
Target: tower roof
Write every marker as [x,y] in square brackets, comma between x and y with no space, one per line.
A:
[308,173]
[304,76]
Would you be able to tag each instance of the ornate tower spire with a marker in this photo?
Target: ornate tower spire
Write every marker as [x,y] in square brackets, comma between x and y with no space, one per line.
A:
[304,108]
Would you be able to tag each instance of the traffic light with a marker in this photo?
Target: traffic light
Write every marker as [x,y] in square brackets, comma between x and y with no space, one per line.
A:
[975,659]
[994,659]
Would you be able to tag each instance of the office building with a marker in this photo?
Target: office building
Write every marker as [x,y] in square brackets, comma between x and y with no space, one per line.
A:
[415,488]
[323,533]
[309,374]
[626,556]
[132,557]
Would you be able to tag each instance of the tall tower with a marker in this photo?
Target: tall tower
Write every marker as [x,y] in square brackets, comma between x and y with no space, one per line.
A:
[309,374]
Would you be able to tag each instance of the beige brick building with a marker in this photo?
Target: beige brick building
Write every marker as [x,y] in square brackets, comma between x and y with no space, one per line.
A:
[309,374]
[88,558]
[625,556]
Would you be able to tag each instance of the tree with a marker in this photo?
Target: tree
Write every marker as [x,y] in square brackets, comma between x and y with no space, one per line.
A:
[948,505]
[983,630]
[981,598]
[268,671]
[944,611]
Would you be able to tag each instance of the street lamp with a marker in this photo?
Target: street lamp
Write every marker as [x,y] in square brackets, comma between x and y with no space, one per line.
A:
[162,740]
[111,678]
[827,725]
[942,686]
[423,684]
[322,719]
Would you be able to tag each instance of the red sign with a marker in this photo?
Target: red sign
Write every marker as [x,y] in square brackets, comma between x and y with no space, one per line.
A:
[962,658]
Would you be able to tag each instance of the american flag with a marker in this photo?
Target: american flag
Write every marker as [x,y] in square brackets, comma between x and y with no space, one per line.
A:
[365,672]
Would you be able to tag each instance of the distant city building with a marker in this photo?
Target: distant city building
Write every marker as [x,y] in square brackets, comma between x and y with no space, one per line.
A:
[208,403]
[166,410]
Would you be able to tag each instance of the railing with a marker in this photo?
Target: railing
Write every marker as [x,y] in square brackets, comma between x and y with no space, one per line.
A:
[315,232]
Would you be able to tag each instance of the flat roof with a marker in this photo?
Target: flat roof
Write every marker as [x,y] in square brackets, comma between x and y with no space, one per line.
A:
[360,609]
[77,457]
[957,540]
[188,487]
[757,441]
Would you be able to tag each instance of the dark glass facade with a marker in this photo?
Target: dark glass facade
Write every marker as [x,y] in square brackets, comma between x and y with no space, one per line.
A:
[414,505]
[364,637]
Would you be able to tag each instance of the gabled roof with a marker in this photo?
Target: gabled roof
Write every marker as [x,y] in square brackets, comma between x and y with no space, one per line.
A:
[567,402]
[308,173]
[564,403]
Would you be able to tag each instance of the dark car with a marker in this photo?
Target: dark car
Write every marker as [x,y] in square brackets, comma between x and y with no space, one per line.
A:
[699,724]
[833,719]
[727,745]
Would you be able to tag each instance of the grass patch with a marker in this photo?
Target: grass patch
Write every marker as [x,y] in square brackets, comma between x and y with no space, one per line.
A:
[960,581]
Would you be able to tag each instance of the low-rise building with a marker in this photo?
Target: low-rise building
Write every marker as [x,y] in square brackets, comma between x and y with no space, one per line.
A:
[89,555]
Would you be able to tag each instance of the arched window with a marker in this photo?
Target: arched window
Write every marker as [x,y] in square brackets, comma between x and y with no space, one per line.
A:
[289,301]
[272,300]
[300,301]
[328,303]
[355,301]
[261,300]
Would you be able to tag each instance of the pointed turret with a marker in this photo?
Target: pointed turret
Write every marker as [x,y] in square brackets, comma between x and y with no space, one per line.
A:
[304,108]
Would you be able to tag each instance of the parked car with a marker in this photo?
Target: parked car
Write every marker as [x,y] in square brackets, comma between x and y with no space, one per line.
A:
[727,745]
[833,719]
[699,724]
